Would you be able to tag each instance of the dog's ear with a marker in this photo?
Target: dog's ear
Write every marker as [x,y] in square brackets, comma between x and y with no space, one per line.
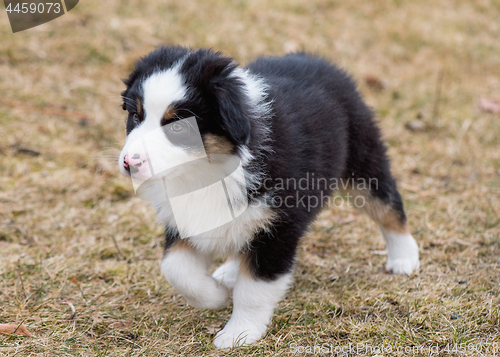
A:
[233,107]
[128,83]
[213,74]
[124,95]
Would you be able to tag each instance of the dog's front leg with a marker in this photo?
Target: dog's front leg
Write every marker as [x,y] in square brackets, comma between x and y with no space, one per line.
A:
[187,271]
[254,301]
[264,276]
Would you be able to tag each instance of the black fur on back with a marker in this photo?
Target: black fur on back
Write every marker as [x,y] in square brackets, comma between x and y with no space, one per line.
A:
[320,125]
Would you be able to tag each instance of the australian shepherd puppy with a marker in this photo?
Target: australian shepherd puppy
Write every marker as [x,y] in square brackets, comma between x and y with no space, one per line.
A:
[238,161]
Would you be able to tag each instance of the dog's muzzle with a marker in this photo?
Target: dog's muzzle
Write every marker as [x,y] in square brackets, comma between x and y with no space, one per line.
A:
[134,164]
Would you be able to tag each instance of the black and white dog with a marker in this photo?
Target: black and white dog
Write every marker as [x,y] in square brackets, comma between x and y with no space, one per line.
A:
[238,162]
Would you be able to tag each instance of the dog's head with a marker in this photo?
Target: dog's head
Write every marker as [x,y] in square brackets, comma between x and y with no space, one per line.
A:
[184,105]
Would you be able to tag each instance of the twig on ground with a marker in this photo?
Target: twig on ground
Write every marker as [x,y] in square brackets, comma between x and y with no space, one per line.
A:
[53,110]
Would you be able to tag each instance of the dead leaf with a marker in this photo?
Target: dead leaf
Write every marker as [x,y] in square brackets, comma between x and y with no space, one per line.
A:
[416,125]
[73,311]
[375,83]
[20,149]
[14,329]
[489,105]
[74,281]
[213,328]
[121,325]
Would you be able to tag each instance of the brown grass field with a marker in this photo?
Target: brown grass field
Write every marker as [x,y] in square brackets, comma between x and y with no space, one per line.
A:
[72,233]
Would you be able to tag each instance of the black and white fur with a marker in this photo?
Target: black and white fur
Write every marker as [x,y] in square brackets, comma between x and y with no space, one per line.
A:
[283,117]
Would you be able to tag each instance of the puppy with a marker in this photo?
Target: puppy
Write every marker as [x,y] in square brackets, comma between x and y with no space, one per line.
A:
[238,161]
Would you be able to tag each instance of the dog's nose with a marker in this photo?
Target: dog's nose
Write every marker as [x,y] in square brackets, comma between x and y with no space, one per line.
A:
[134,164]
[126,163]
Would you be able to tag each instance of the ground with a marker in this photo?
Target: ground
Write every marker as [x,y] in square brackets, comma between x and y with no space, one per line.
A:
[73,235]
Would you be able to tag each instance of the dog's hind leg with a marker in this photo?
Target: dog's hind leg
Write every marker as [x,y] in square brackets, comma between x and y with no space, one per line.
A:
[187,271]
[379,198]
[402,250]
[368,177]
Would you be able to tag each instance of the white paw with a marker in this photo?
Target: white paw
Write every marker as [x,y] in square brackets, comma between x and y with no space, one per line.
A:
[227,273]
[233,336]
[402,265]
[214,297]
[402,253]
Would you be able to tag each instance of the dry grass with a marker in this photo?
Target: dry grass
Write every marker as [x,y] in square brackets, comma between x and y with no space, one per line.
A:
[61,210]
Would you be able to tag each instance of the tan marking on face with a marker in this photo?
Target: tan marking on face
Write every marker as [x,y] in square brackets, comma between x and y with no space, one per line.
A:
[169,113]
[215,144]
[138,105]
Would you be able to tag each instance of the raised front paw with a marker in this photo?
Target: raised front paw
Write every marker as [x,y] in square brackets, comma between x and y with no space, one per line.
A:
[233,336]
[214,297]
[227,273]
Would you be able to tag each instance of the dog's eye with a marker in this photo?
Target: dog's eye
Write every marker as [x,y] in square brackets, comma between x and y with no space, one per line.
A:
[136,118]
[176,127]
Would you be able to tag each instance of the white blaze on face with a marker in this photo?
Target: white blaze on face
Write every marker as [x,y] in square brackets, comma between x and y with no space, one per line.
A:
[160,90]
